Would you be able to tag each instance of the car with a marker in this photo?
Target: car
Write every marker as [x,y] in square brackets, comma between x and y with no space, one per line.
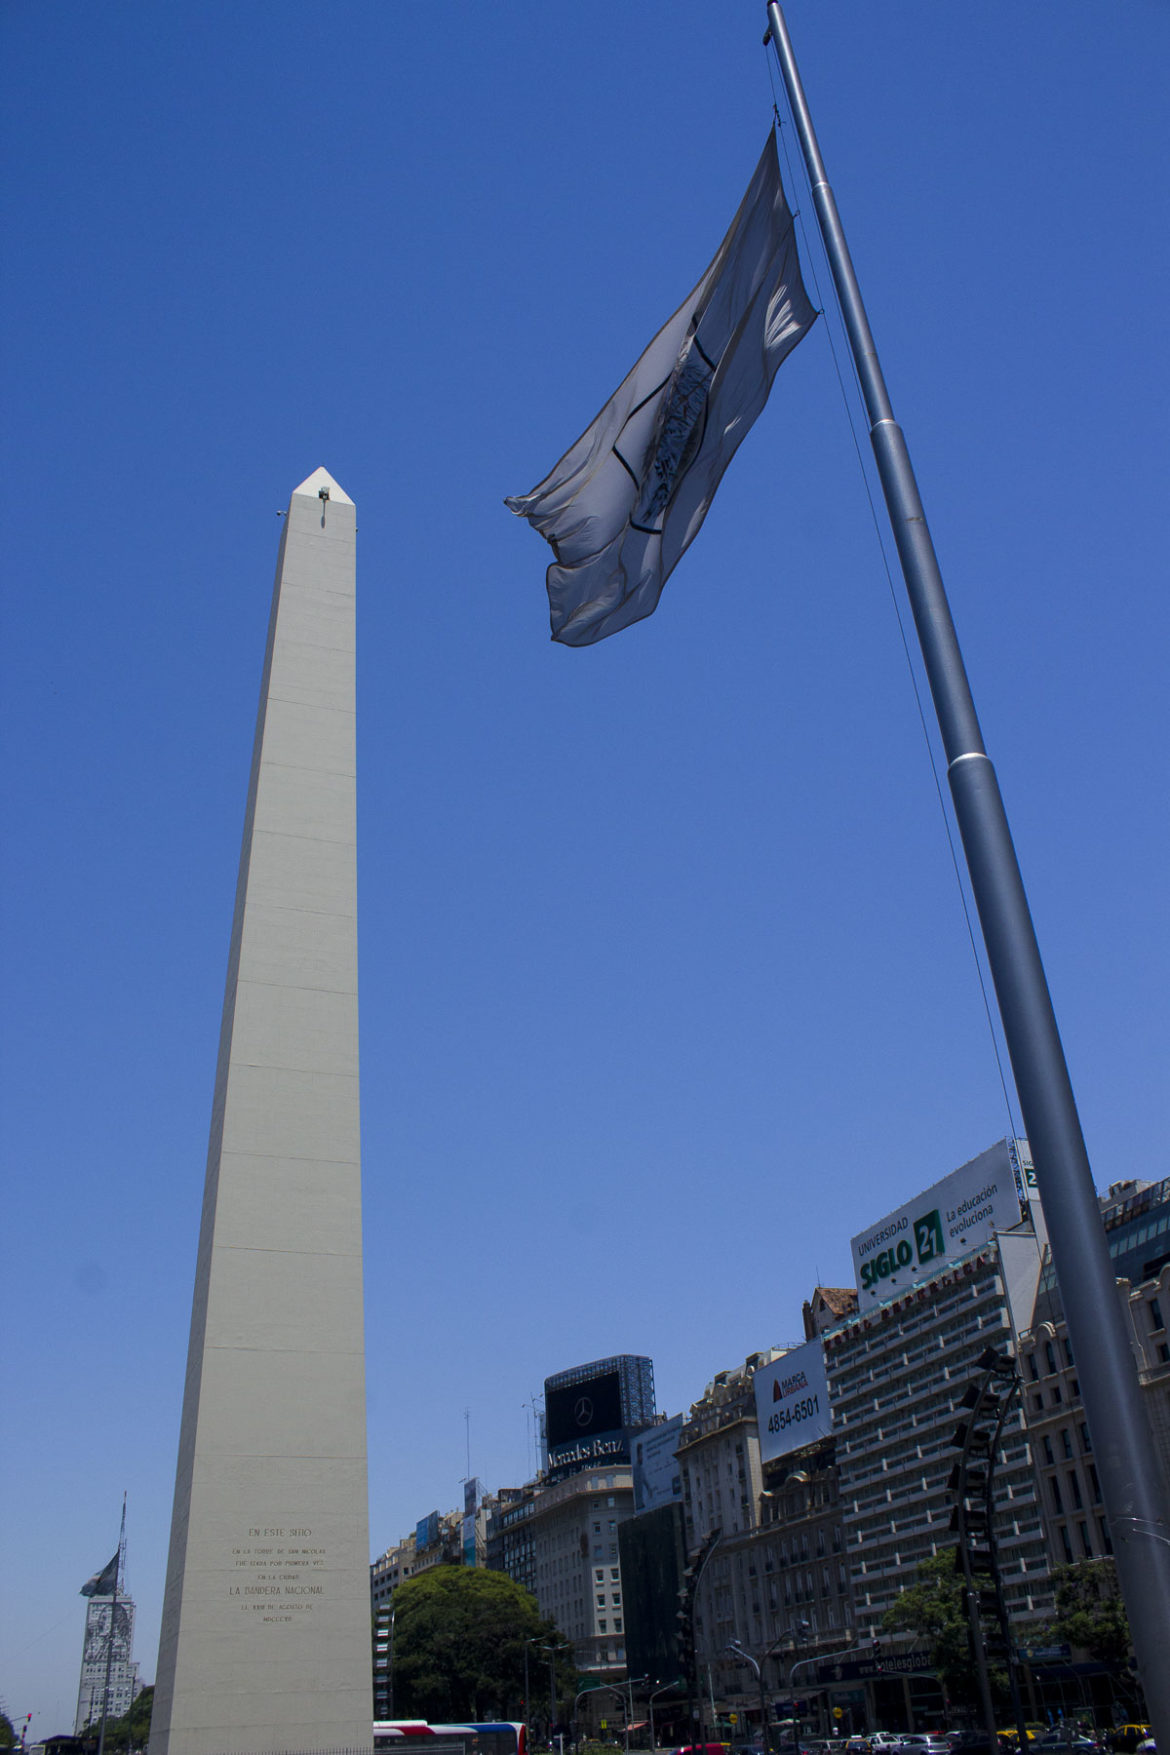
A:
[1124,1739]
[971,1742]
[920,1743]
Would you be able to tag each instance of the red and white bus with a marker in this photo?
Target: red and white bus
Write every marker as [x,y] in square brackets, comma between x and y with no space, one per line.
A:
[404,1735]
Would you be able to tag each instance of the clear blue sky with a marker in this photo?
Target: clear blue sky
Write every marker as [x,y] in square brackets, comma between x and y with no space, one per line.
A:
[666,988]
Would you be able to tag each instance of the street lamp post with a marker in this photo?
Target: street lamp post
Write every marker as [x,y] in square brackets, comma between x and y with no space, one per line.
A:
[613,1688]
[632,1682]
[551,1649]
[527,1643]
[735,1646]
[666,1686]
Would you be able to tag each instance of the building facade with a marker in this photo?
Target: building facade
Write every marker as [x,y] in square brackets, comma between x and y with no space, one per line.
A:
[97,1659]
[1136,1217]
[574,1527]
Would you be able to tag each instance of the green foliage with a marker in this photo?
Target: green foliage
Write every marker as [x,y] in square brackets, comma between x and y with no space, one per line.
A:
[1089,1610]
[459,1648]
[933,1610]
[8,1736]
[129,1732]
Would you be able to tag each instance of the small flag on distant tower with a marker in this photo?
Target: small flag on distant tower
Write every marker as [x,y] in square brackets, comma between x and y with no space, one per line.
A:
[625,502]
[102,1583]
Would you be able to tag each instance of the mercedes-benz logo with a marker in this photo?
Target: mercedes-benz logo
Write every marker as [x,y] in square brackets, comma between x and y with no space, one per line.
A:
[583,1410]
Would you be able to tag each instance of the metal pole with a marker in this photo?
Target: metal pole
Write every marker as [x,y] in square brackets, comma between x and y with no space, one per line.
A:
[113,1631]
[1131,1486]
[390,1686]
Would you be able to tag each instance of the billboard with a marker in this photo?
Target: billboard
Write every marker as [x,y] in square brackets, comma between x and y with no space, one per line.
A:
[657,1476]
[949,1219]
[577,1411]
[792,1401]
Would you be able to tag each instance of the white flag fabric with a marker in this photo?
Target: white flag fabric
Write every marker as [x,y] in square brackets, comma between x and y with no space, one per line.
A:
[625,502]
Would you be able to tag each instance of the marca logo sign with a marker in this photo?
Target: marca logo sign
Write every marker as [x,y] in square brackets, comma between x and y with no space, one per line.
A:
[946,1221]
[792,1401]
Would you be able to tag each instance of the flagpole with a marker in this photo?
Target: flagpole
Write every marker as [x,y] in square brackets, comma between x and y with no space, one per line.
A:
[110,1641]
[1127,1465]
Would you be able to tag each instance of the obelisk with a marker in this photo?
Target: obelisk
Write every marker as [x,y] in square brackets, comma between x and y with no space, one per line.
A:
[265,1640]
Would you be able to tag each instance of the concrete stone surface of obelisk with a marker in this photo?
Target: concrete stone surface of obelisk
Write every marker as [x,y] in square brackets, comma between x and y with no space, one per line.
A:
[265,1641]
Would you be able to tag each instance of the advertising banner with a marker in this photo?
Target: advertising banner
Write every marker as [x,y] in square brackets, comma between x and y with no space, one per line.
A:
[657,1476]
[792,1401]
[947,1220]
[583,1424]
[582,1410]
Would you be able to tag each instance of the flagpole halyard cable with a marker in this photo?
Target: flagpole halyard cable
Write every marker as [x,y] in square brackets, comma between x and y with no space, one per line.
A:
[1014,1127]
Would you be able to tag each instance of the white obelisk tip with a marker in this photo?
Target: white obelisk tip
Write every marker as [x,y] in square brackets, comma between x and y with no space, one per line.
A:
[321,478]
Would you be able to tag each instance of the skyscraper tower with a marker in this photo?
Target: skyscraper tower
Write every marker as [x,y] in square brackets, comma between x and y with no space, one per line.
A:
[265,1631]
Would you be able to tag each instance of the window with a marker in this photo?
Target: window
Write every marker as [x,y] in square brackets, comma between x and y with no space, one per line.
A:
[1066,1441]
[1049,1456]
[613,1523]
[1083,1529]
[1066,1346]
[1066,1544]
[1094,1484]
[599,1575]
[610,1500]
[597,1529]
[1033,1368]
[1057,1397]
[1054,1493]
[602,1626]
[617,1626]
[1050,1355]
[1075,1489]
[614,1573]
[1086,1441]
[1156,1321]
[601,1599]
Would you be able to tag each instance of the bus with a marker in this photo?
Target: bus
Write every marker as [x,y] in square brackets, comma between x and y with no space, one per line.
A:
[407,1735]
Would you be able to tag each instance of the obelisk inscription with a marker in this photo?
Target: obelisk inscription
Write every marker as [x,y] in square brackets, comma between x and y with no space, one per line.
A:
[265,1633]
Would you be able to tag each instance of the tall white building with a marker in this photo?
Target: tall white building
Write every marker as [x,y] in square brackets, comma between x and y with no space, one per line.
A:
[574,1525]
[96,1654]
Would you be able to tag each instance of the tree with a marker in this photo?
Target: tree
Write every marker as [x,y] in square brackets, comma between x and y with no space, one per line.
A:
[933,1609]
[459,1642]
[1090,1612]
[131,1731]
[8,1736]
